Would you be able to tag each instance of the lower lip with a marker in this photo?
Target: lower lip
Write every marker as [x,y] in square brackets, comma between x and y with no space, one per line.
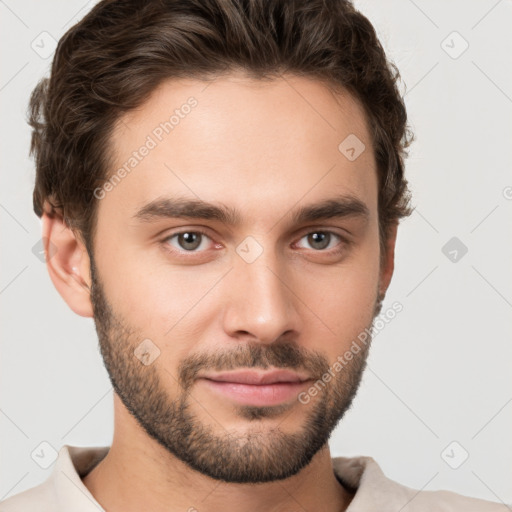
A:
[258,394]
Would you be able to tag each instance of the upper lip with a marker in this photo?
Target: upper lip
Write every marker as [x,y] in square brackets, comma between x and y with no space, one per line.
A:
[253,377]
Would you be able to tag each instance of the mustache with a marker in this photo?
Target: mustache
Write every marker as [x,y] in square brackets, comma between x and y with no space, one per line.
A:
[286,356]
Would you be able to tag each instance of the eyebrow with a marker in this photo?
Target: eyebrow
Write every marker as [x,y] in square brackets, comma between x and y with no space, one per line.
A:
[180,207]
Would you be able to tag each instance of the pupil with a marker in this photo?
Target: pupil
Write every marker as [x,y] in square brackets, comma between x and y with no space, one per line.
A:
[319,238]
[190,240]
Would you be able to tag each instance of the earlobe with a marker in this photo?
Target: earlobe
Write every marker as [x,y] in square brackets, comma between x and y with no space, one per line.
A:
[68,264]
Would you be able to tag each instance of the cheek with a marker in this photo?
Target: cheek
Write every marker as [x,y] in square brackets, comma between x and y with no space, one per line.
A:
[161,301]
[341,302]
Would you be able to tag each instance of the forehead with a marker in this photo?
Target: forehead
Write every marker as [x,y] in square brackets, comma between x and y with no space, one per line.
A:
[250,143]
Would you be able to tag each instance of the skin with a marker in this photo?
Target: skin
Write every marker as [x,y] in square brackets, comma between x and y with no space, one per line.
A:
[265,148]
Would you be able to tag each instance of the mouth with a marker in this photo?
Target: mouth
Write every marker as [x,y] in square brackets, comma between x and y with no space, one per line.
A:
[257,388]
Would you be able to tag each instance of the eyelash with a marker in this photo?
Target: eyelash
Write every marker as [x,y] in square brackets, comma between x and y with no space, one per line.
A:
[338,249]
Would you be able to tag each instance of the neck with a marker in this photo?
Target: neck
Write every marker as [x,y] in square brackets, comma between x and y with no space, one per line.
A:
[138,473]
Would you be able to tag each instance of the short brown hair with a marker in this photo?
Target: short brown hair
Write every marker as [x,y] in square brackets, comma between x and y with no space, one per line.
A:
[111,61]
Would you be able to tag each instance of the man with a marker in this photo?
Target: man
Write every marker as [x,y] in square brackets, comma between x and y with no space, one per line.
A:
[220,184]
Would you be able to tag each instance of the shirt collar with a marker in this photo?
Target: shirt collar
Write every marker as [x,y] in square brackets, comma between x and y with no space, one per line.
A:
[73,463]
[373,490]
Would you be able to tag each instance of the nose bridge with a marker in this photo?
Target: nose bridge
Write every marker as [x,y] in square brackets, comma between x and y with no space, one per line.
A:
[261,302]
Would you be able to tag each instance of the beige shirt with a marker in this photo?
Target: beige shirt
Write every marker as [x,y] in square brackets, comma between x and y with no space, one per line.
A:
[64,491]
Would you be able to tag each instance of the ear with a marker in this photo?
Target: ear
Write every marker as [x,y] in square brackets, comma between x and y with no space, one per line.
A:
[388,260]
[68,264]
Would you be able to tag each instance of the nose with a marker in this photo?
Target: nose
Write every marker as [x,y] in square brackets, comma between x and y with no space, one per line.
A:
[261,304]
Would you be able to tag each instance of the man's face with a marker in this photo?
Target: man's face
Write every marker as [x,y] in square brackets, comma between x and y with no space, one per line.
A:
[268,292]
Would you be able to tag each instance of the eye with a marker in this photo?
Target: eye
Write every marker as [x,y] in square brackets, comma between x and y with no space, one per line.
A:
[197,242]
[321,240]
[187,241]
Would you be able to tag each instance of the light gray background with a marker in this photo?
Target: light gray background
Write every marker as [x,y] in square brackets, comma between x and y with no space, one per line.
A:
[439,372]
